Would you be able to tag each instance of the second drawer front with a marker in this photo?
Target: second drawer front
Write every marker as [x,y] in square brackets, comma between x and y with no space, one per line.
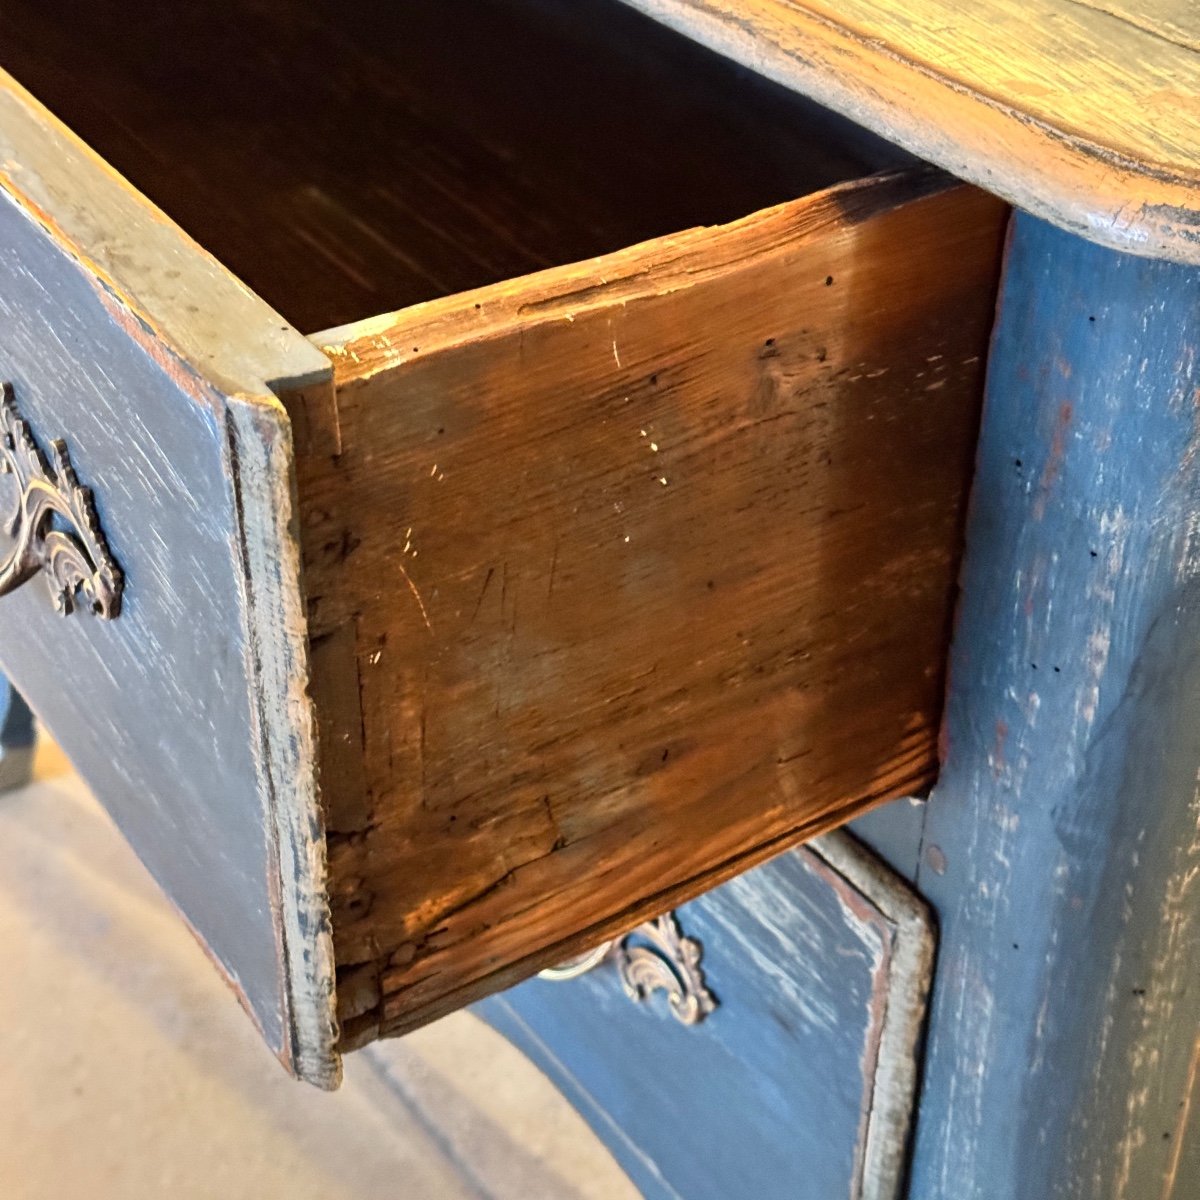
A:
[799,1082]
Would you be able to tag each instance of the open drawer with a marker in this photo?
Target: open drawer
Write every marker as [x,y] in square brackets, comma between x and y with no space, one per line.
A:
[577,591]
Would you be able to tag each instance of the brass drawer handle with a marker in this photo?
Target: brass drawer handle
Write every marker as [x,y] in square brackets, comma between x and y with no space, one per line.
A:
[651,958]
[53,522]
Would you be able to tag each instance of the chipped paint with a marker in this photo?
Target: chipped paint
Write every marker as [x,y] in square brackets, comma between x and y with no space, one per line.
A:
[1062,1030]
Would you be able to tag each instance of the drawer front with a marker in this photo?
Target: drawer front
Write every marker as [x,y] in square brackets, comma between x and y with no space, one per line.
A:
[799,1082]
[183,705]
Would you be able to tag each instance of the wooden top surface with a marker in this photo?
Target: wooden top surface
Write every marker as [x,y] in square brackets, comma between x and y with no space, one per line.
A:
[1084,112]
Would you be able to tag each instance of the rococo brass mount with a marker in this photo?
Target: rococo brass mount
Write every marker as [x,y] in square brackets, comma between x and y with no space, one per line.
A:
[656,956]
[53,523]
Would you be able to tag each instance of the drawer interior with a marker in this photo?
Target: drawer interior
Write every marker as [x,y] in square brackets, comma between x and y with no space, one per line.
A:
[347,160]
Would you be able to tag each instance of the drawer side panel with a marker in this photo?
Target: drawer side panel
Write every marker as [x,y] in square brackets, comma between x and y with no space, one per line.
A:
[643,569]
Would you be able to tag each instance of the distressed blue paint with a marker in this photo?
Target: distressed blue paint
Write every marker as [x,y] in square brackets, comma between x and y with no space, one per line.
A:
[894,831]
[1067,1004]
[16,738]
[156,708]
[765,1098]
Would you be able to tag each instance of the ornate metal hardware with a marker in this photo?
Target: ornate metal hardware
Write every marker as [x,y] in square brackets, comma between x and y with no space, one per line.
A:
[53,523]
[669,963]
[655,956]
[574,967]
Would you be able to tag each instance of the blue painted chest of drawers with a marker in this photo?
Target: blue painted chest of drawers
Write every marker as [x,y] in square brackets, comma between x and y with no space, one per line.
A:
[690,516]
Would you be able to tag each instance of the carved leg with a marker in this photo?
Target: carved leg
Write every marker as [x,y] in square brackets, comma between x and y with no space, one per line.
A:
[1061,846]
[16,739]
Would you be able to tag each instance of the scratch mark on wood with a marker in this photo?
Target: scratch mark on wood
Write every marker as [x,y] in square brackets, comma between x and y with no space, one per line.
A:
[412,587]
[482,592]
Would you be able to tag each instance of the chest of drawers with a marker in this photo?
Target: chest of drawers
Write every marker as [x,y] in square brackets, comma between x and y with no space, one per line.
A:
[434,647]
[512,475]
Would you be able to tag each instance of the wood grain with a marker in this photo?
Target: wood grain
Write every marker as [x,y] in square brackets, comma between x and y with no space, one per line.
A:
[643,567]
[415,150]
[1087,114]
